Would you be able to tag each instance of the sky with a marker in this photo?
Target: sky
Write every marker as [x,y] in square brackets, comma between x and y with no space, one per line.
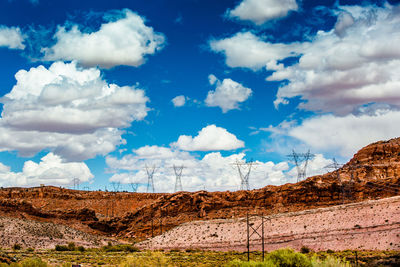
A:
[101,92]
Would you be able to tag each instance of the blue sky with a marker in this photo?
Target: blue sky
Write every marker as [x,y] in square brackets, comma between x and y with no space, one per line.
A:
[98,90]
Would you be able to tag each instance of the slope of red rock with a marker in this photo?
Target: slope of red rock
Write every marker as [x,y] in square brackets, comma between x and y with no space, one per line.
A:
[371,174]
[368,225]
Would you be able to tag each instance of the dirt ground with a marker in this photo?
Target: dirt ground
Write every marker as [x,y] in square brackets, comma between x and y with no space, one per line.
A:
[369,225]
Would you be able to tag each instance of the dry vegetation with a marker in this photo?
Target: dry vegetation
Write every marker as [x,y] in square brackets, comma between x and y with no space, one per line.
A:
[112,257]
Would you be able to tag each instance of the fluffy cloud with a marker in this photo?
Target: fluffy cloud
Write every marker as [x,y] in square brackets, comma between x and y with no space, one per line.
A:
[339,136]
[179,101]
[11,37]
[51,170]
[351,65]
[260,11]
[212,172]
[227,95]
[69,110]
[346,135]
[124,41]
[210,138]
[338,70]
[246,50]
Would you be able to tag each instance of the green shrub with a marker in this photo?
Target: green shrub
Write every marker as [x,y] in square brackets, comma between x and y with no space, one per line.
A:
[81,248]
[288,258]
[30,249]
[16,246]
[119,248]
[71,246]
[61,248]
[278,258]
[305,250]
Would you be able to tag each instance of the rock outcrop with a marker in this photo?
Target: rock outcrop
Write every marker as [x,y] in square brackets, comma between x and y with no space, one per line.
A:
[372,173]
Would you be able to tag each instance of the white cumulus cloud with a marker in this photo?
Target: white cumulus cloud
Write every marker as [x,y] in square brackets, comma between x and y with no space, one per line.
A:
[260,11]
[51,170]
[69,110]
[11,37]
[339,136]
[179,101]
[227,95]
[124,41]
[210,138]
[247,50]
[352,64]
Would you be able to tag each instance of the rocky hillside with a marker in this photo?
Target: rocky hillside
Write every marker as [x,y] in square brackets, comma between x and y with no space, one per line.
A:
[368,225]
[371,174]
[39,235]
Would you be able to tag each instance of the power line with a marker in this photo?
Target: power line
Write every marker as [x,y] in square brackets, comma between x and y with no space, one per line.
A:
[298,159]
[178,174]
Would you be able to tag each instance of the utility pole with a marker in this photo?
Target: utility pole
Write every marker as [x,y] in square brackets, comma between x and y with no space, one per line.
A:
[150,174]
[299,159]
[178,174]
[244,170]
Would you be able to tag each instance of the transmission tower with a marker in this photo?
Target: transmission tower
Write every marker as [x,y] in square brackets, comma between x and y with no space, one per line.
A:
[335,167]
[134,186]
[299,159]
[178,174]
[244,169]
[76,182]
[150,173]
[116,185]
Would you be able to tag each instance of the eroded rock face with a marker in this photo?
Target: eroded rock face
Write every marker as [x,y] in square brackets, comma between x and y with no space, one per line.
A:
[371,174]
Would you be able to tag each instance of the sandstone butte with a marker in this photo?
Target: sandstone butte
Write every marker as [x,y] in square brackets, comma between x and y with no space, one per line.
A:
[373,173]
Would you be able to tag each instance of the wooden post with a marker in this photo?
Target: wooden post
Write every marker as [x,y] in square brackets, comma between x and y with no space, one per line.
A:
[262,235]
[248,239]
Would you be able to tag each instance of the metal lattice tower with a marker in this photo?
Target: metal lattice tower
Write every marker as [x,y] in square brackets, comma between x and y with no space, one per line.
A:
[299,159]
[178,174]
[335,167]
[244,169]
[76,182]
[116,186]
[134,187]
[150,174]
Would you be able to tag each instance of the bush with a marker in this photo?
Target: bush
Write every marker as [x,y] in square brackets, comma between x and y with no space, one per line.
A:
[305,250]
[71,246]
[278,258]
[288,258]
[81,248]
[16,246]
[119,248]
[61,248]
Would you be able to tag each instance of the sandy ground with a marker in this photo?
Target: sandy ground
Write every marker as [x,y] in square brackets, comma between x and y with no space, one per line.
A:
[40,235]
[372,225]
